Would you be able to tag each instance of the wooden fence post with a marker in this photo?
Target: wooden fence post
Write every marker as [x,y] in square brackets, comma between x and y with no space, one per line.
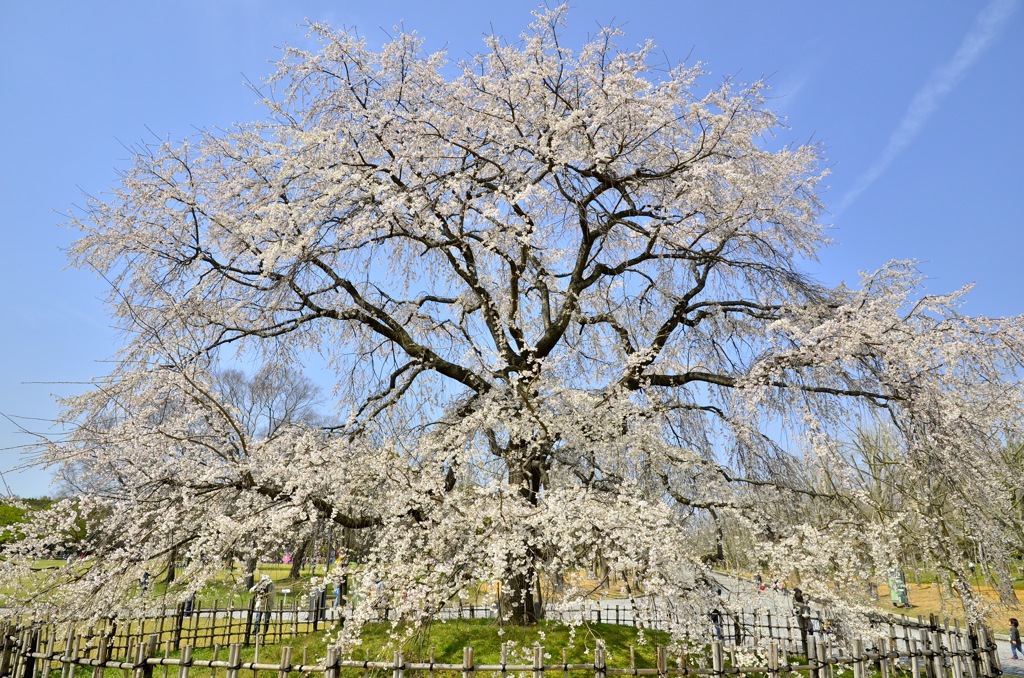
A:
[213,624]
[248,622]
[233,660]
[926,652]
[987,664]
[194,616]
[143,652]
[955,658]
[538,662]
[13,640]
[101,658]
[28,664]
[332,663]
[773,659]
[21,653]
[717,662]
[280,620]
[914,658]
[179,621]
[939,658]
[7,651]
[186,662]
[51,639]
[599,665]
[858,658]
[35,638]
[68,658]
[811,650]
[973,662]
[286,662]
[883,657]
[467,662]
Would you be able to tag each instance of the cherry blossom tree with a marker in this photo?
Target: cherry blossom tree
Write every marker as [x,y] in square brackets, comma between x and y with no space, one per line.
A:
[560,294]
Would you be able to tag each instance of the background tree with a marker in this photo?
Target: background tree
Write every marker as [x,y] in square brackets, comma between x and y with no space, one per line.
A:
[561,295]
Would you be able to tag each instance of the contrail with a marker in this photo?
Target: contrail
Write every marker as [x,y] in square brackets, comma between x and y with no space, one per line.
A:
[984,30]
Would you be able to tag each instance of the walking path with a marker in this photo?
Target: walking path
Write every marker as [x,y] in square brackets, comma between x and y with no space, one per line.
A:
[1011,667]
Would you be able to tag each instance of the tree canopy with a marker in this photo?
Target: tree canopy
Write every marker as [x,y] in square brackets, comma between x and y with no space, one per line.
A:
[561,296]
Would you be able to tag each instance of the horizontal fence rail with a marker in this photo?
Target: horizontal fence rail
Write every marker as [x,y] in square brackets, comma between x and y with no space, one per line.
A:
[28,656]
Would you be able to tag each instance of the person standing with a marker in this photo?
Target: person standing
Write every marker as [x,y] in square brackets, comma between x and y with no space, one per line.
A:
[802,610]
[263,602]
[1015,639]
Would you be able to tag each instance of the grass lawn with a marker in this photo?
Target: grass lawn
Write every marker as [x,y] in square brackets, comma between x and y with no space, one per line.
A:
[444,642]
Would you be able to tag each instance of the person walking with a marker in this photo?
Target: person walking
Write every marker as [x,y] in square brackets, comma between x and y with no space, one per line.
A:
[1015,639]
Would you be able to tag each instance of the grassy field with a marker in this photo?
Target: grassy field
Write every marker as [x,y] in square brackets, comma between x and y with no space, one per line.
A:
[443,643]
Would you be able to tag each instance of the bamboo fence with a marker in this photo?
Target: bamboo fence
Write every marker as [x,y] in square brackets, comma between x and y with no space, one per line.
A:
[933,654]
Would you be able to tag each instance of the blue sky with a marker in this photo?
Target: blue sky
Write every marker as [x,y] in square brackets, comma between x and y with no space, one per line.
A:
[917,104]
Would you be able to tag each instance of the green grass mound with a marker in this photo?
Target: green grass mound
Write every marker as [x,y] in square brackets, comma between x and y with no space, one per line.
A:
[446,640]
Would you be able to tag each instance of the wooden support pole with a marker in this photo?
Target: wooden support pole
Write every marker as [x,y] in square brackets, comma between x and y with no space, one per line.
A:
[101,658]
[234,655]
[987,665]
[186,662]
[286,662]
[144,651]
[717,658]
[938,658]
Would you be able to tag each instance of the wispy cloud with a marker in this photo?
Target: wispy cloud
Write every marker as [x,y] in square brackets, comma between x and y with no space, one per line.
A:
[982,33]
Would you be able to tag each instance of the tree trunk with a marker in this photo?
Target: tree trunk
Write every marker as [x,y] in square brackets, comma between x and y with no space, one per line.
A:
[250,572]
[298,558]
[518,597]
[171,558]
[1004,584]
[520,583]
